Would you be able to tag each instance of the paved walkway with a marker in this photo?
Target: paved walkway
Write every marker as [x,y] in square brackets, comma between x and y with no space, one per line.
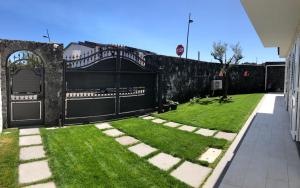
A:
[190,173]
[33,168]
[192,129]
[267,157]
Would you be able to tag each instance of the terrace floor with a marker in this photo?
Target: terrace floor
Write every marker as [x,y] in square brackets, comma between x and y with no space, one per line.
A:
[267,156]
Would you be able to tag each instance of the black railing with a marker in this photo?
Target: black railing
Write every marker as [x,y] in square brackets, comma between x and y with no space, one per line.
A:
[94,56]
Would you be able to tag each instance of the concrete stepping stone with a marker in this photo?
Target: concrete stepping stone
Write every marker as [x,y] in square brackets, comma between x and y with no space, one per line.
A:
[226,136]
[210,155]
[113,133]
[32,152]
[34,171]
[187,128]
[52,128]
[43,185]
[102,126]
[191,174]
[142,116]
[127,140]
[30,140]
[158,121]
[164,161]
[172,124]
[206,132]
[142,149]
[148,118]
[31,131]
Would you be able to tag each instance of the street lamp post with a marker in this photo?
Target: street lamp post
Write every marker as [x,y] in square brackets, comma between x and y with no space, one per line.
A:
[47,36]
[187,37]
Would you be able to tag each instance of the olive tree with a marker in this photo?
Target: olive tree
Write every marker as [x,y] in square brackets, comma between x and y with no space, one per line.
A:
[219,53]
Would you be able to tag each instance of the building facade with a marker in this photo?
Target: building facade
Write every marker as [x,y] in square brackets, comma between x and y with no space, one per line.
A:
[277,23]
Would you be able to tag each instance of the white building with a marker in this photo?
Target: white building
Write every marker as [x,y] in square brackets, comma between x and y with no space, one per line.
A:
[277,23]
[75,50]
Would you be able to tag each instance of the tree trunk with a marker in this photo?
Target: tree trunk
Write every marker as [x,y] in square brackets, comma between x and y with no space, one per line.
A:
[225,82]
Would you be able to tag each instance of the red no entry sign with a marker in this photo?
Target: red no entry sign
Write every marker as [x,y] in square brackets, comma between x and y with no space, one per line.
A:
[179,50]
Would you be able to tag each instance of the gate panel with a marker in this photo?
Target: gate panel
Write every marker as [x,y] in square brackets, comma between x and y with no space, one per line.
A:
[137,92]
[25,83]
[108,83]
[26,80]
[90,107]
[32,112]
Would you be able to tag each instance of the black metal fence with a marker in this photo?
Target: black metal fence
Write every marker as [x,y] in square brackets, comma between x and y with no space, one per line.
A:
[108,83]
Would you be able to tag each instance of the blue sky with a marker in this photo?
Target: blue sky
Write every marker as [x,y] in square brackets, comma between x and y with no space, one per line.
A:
[155,25]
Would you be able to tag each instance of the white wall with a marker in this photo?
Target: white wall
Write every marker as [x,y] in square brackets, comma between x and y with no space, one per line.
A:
[292,88]
[76,50]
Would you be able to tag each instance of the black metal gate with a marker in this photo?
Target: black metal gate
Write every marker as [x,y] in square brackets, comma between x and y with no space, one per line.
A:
[25,78]
[108,83]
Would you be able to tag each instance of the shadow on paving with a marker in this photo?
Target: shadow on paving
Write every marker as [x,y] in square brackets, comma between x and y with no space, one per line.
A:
[267,156]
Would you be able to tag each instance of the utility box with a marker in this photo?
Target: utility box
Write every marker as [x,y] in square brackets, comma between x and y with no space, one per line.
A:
[216,85]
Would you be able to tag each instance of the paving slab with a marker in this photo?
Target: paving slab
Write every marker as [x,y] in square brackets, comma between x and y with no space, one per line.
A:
[30,140]
[270,149]
[31,131]
[226,136]
[187,128]
[206,132]
[159,121]
[113,133]
[164,161]
[34,171]
[148,118]
[210,155]
[42,185]
[127,140]
[32,152]
[172,124]
[142,149]
[52,128]
[191,174]
[102,126]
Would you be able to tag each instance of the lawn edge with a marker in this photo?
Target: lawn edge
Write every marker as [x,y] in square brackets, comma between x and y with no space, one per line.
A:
[229,154]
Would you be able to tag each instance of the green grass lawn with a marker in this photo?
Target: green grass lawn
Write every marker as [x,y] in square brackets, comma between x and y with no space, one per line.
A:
[85,157]
[9,158]
[175,142]
[209,113]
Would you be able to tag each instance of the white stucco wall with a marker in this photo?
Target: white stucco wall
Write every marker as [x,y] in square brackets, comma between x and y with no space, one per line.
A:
[76,50]
[292,87]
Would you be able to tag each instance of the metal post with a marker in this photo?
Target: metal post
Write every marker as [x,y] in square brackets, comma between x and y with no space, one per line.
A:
[187,37]
[47,36]
[160,102]
[118,79]
[63,116]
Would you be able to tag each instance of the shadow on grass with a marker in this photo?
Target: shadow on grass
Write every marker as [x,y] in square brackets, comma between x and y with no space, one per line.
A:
[208,101]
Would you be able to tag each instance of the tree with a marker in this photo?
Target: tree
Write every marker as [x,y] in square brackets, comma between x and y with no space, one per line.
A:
[219,53]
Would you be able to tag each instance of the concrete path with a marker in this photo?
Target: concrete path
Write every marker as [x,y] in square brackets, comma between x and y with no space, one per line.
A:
[267,157]
[190,173]
[201,131]
[33,166]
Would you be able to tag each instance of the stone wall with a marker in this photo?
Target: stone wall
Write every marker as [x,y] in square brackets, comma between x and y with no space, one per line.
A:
[183,79]
[52,57]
